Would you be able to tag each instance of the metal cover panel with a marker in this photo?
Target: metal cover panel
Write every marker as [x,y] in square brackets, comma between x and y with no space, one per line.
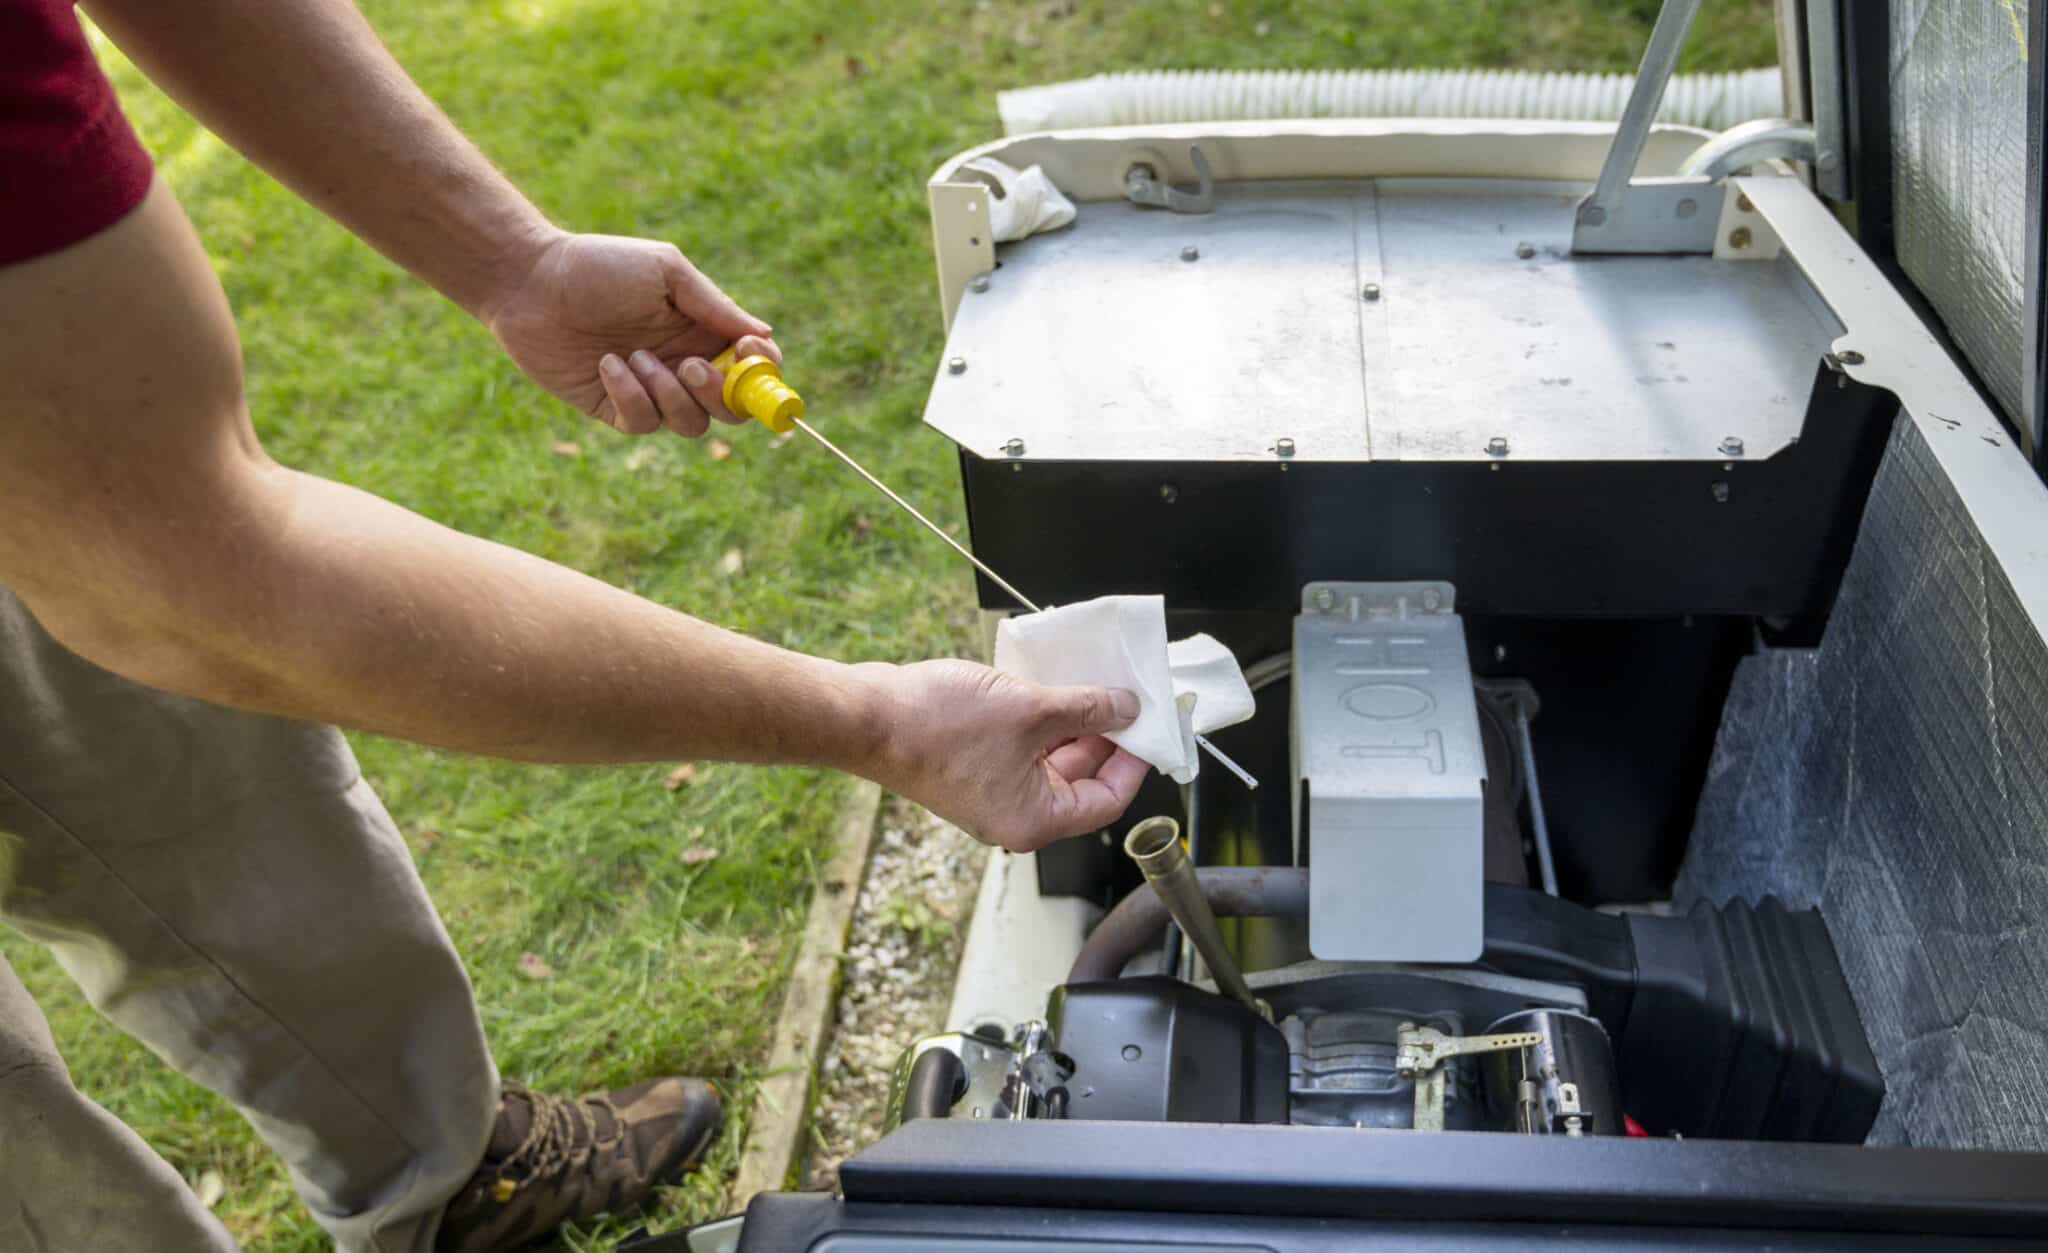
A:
[1099,342]
[1388,763]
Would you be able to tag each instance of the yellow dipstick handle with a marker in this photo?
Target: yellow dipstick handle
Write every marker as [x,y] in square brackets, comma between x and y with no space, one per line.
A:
[754,389]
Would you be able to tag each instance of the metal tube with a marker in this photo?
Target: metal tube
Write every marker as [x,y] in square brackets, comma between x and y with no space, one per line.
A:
[1232,892]
[1155,845]
[1667,38]
[1536,818]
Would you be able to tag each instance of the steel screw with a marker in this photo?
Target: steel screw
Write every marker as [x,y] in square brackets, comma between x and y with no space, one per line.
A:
[957,365]
[1284,447]
[1432,599]
[1593,215]
[1743,203]
[1687,208]
[1014,447]
[1497,446]
[1326,599]
[1525,250]
[1191,253]
[1739,238]
[1371,291]
[1721,493]
[978,283]
[1168,493]
[1849,356]
[1732,446]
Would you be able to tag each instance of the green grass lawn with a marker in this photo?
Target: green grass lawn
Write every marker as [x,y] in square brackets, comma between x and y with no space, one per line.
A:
[784,146]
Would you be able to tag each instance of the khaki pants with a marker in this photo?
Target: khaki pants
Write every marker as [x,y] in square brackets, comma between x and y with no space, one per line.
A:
[227,889]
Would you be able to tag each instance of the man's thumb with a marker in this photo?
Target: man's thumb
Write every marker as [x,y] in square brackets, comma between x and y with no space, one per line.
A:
[1092,710]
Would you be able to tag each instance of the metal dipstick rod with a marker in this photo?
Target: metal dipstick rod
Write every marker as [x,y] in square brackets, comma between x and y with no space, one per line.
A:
[754,387]
[1201,741]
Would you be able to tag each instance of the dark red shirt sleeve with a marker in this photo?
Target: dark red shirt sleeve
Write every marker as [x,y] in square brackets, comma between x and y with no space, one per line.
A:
[70,165]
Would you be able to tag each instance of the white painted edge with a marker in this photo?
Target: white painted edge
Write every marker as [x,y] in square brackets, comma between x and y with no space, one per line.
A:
[782,1100]
[1988,470]
[1019,947]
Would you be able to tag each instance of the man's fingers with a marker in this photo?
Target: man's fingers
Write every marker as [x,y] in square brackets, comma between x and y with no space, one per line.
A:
[1101,800]
[757,346]
[697,297]
[634,409]
[707,386]
[1079,711]
[678,410]
[1080,759]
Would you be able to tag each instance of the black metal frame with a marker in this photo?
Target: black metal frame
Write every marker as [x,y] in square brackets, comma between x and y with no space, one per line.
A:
[1347,1173]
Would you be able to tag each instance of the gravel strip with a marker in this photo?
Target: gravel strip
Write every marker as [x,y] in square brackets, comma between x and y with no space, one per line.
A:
[909,926]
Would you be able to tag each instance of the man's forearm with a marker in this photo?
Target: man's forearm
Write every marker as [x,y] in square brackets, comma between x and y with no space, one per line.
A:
[338,606]
[306,90]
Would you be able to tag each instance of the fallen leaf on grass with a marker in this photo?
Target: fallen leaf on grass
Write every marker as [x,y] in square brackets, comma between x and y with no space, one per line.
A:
[211,1188]
[698,854]
[534,966]
[732,563]
[855,67]
[718,449]
[680,777]
[862,526]
[566,448]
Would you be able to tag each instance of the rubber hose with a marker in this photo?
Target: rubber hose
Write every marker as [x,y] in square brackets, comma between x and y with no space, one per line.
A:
[1140,917]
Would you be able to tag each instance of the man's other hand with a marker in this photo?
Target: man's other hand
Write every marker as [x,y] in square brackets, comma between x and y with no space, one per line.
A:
[1014,764]
[623,329]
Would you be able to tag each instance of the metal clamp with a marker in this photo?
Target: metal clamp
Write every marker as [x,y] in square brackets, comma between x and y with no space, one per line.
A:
[1145,185]
[1420,1053]
[1656,214]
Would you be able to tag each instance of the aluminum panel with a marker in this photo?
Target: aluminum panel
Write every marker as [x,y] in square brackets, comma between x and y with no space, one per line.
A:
[1099,342]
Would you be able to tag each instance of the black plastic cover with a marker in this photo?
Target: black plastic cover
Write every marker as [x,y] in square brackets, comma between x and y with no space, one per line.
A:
[1159,1050]
[1742,1027]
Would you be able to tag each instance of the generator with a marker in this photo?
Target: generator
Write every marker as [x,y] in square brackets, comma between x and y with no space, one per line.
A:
[1634,541]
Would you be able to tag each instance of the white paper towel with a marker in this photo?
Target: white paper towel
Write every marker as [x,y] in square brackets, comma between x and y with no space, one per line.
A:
[1187,687]
[1028,202]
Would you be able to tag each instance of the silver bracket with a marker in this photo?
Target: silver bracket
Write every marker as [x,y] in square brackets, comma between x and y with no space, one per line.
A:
[1420,1054]
[1147,186]
[1624,214]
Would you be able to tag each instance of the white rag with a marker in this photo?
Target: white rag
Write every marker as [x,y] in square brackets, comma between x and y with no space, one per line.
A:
[1028,202]
[1184,688]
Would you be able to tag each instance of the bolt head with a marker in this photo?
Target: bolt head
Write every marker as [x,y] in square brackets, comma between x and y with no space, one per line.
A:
[1593,215]
[1283,447]
[1740,238]
[1720,493]
[1191,253]
[1497,446]
[1168,493]
[1014,447]
[978,283]
[1325,599]
[1849,356]
[1371,291]
[1525,250]
[957,365]
[1743,203]
[1732,446]
[1687,208]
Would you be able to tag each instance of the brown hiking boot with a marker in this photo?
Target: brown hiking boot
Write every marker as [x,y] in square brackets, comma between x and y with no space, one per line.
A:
[552,1160]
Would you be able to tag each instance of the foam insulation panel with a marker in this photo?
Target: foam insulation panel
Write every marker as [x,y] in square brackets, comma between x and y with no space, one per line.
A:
[1897,777]
[1959,129]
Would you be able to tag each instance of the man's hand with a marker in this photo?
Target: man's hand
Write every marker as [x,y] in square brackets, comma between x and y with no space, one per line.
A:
[623,329]
[1012,763]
